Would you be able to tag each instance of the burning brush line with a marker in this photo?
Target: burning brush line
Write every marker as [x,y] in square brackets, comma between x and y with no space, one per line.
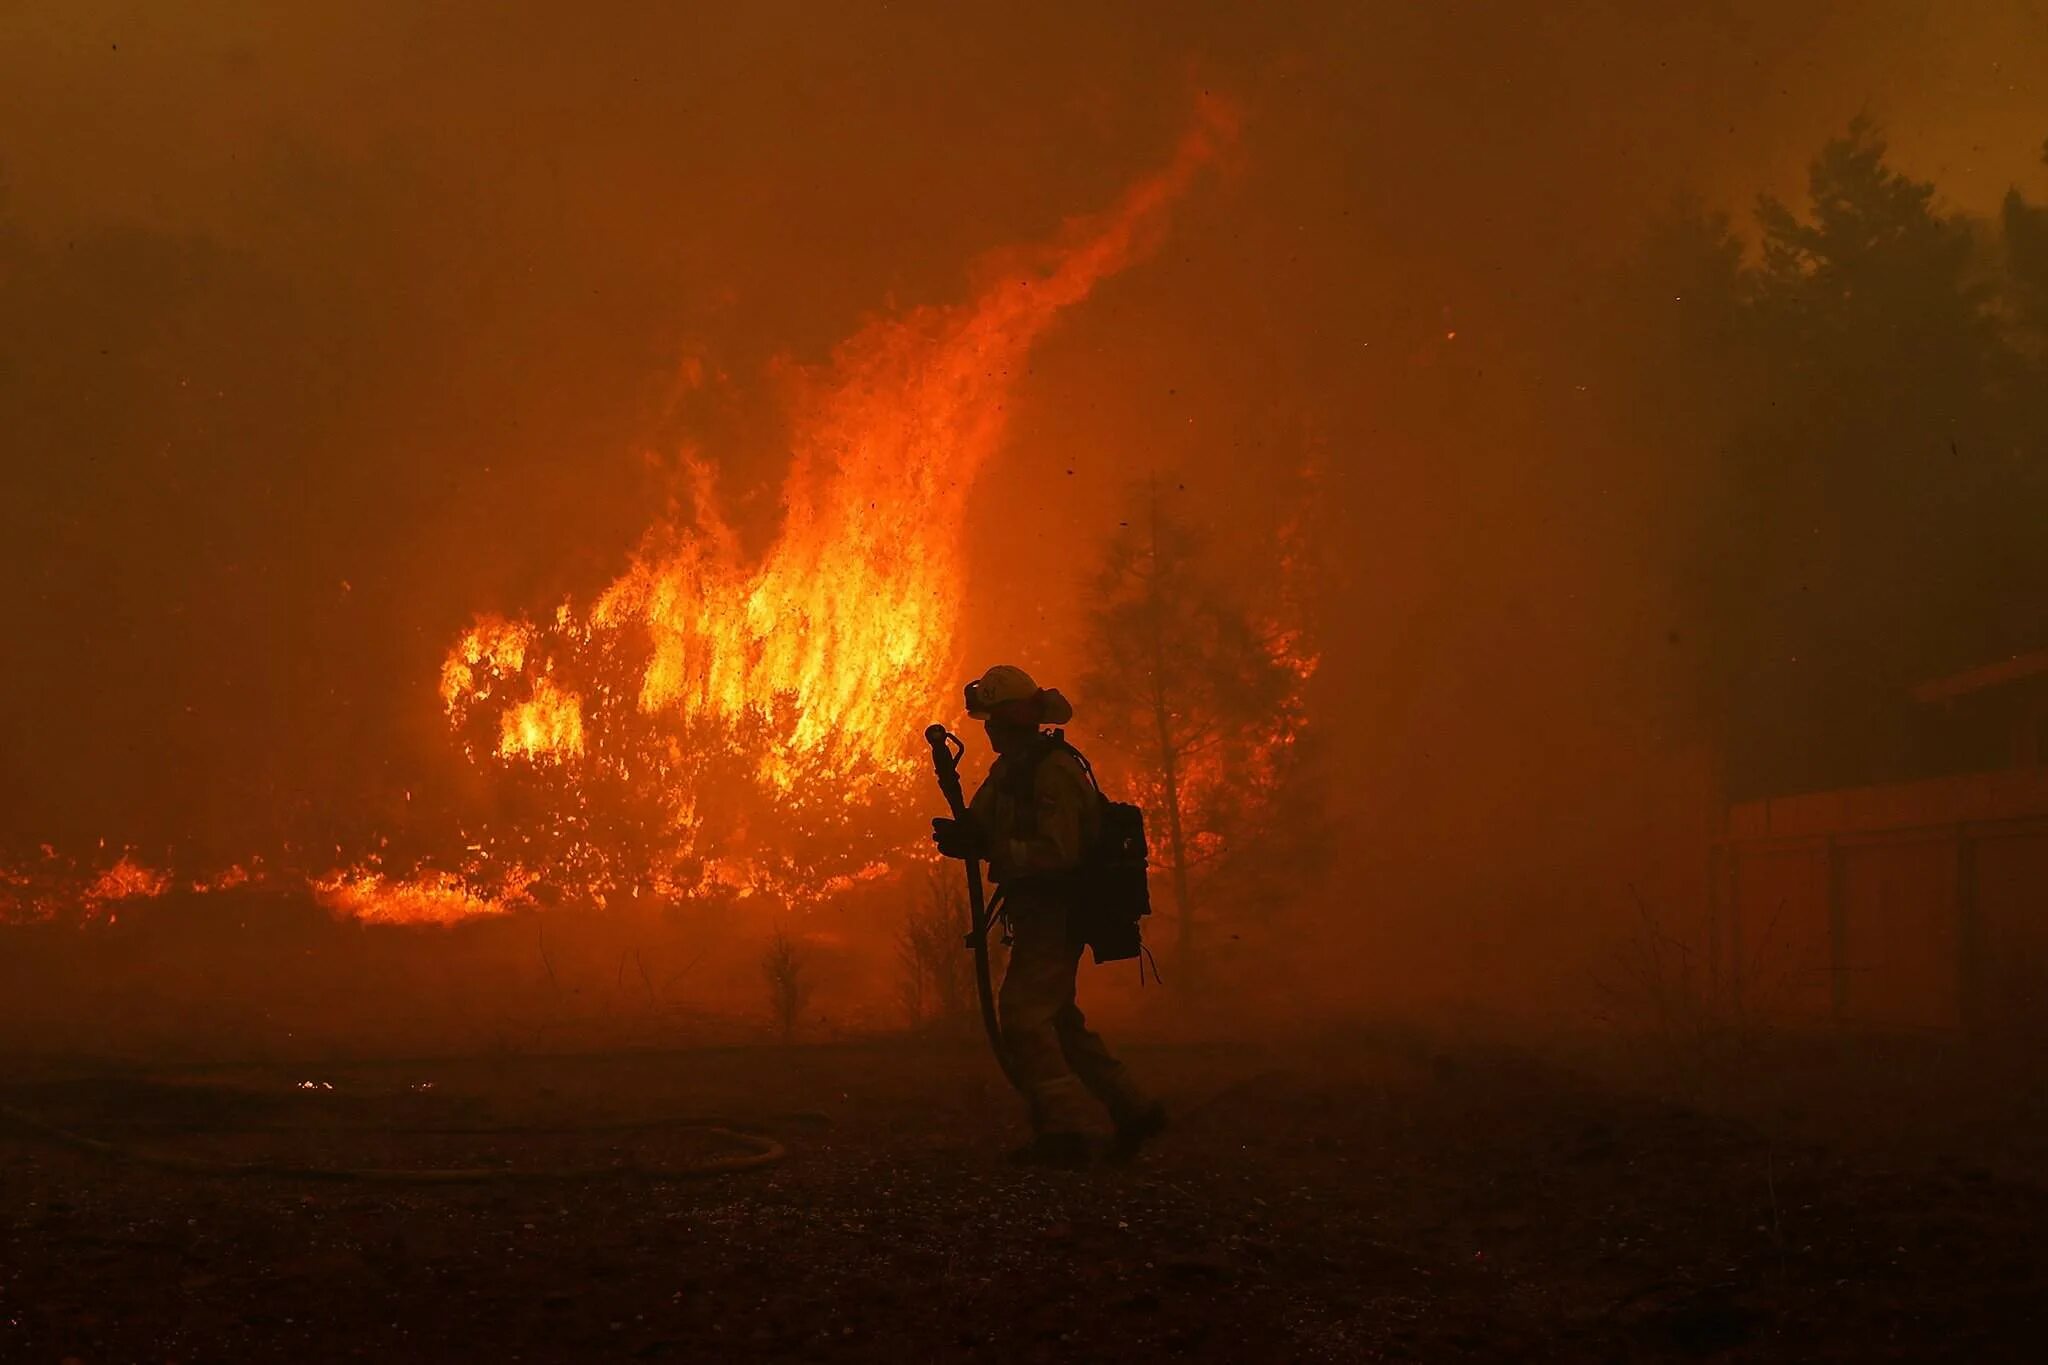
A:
[53,889]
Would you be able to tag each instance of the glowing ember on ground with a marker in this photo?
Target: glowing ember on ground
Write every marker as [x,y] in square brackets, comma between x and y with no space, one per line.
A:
[432,898]
[226,880]
[126,879]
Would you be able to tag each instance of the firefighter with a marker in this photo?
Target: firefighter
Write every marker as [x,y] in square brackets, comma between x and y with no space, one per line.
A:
[1033,820]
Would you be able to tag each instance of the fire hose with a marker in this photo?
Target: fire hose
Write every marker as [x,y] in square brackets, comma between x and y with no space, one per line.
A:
[947,749]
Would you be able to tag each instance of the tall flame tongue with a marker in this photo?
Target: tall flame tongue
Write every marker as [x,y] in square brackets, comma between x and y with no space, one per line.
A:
[707,722]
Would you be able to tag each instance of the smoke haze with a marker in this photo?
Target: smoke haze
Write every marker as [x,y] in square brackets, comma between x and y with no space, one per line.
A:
[320,333]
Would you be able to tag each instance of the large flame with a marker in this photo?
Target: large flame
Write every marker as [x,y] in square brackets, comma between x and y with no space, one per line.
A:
[709,722]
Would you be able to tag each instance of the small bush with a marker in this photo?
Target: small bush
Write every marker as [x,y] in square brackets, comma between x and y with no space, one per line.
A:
[937,972]
[1664,995]
[789,989]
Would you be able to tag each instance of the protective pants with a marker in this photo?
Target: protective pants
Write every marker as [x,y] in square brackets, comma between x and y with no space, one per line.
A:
[1058,1059]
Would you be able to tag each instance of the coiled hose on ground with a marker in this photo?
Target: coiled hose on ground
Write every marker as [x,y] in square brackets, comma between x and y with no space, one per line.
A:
[761,1150]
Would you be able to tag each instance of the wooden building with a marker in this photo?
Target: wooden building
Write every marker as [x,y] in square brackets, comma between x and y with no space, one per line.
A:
[1919,904]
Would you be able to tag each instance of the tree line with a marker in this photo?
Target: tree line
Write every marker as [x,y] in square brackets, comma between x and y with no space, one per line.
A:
[1846,407]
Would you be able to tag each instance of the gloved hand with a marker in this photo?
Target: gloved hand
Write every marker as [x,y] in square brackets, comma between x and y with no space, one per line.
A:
[959,839]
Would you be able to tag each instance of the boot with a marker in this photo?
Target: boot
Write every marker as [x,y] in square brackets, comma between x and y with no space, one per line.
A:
[1134,1130]
[1055,1151]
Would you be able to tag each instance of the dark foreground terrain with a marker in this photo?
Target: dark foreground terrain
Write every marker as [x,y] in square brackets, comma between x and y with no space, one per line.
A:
[1366,1198]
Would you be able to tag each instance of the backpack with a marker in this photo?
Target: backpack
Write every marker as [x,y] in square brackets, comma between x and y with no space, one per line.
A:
[1108,893]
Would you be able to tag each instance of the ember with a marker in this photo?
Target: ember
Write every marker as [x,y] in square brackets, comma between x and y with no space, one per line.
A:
[125,879]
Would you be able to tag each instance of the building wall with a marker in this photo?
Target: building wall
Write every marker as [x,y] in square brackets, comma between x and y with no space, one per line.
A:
[1916,905]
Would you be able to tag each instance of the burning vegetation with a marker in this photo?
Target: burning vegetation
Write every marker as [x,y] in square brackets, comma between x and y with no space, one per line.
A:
[721,725]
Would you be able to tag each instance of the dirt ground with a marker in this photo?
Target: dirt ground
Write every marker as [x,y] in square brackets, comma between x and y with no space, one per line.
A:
[1373,1196]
